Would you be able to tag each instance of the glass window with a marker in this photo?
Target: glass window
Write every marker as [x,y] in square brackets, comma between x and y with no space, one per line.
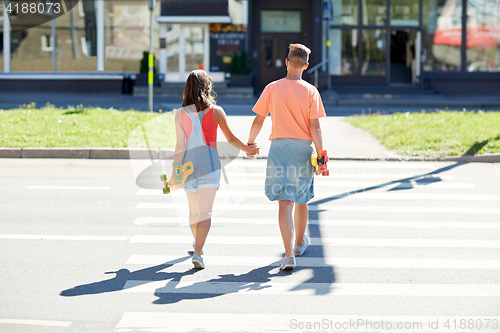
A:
[280,21]
[343,56]
[76,40]
[374,12]
[194,47]
[74,44]
[405,13]
[374,52]
[483,36]
[345,12]
[173,36]
[442,23]
[1,38]
[127,34]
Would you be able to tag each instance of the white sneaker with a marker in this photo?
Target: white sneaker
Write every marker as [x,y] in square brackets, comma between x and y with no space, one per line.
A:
[194,244]
[299,250]
[197,262]
[288,263]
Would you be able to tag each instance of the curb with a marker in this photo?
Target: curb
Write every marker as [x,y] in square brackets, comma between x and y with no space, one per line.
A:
[125,153]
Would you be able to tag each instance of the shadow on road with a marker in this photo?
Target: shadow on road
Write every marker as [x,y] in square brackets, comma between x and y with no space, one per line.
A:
[123,275]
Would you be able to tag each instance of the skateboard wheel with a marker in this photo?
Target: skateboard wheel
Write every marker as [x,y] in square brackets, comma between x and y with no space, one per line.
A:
[176,164]
[323,168]
[322,153]
[163,178]
[326,173]
[178,178]
[166,190]
[326,159]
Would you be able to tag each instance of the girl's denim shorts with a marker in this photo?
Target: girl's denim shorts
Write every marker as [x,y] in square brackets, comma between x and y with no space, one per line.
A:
[289,172]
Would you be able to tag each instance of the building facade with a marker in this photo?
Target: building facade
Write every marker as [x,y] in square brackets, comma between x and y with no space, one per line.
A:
[448,46]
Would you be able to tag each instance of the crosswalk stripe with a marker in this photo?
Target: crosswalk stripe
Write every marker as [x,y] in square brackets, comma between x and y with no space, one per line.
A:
[343,165]
[400,185]
[324,262]
[35,322]
[333,208]
[327,289]
[352,195]
[336,223]
[378,242]
[99,188]
[366,175]
[265,322]
[64,237]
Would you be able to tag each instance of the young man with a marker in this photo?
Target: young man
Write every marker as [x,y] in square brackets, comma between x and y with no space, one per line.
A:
[295,108]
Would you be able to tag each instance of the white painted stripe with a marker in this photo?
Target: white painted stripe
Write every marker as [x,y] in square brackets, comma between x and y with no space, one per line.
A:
[327,289]
[318,195]
[35,322]
[343,165]
[333,223]
[401,185]
[331,208]
[277,322]
[335,175]
[65,237]
[67,188]
[378,242]
[324,262]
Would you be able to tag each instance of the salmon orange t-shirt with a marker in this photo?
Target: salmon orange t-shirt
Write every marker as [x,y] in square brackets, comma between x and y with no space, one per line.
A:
[291,104]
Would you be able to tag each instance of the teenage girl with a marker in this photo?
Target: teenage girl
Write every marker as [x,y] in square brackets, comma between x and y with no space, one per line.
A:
[196,128]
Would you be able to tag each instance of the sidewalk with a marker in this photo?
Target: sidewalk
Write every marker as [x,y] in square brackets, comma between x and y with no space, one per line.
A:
[342,140]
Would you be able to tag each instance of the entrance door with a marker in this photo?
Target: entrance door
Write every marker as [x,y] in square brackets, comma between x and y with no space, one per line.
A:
[403,56]
[273,52]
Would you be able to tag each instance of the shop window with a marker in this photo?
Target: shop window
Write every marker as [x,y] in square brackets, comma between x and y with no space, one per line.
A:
[281,21]
[343,57]
[127,34]
[442,24]
[483,36]
[194,48]
[374,47]
[374,12]
[172,40]
[405,13]
[345,12]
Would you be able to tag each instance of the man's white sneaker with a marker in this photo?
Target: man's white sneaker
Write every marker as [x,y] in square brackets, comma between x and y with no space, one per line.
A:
[288,263]
[197,262]
[299,250]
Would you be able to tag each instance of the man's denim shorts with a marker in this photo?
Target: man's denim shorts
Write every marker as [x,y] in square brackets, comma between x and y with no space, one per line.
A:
[289,172]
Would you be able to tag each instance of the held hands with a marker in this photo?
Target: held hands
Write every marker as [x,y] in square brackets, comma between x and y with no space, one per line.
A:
[251,149]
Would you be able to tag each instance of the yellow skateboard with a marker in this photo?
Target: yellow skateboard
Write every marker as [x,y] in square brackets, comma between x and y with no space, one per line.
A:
[181,174]
[319,162]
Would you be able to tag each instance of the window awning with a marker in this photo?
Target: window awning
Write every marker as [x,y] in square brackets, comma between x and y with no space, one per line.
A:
[194,11]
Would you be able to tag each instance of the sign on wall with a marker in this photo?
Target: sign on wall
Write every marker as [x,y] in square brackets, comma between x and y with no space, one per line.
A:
[225,40]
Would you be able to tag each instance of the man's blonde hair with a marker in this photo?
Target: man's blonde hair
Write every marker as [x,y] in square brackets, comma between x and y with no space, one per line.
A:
[298,55]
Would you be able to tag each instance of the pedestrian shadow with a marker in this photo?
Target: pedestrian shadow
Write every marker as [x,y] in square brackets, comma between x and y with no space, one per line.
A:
[314,214]
[123,275]
[253,280]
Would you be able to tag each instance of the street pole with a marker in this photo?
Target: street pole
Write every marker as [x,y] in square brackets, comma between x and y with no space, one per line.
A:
[151,61]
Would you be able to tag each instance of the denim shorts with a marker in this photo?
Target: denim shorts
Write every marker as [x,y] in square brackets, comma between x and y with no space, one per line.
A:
[207,169]
[289,172]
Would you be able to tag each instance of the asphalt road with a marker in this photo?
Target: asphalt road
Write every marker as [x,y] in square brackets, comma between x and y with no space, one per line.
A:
[396,247]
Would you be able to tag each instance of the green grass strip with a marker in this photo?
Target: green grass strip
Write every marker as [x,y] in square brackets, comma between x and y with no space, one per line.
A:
[444,133]
[82,127]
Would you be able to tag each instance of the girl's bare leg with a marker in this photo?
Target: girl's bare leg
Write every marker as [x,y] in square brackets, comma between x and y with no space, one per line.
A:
[300,220]
[200,218]
[286,226]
